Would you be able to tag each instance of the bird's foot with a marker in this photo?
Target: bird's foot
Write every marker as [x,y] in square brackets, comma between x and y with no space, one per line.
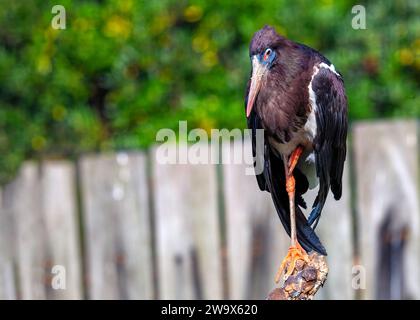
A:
[288,265]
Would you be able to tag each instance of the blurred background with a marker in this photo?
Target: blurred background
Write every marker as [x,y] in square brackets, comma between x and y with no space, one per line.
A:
[80,186]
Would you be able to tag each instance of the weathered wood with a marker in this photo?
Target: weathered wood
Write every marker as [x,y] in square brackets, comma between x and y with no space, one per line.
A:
[22,198]
[117,226]
[187,230]
[7,271]
[61,226]
[335,232]
[39,226]
[256,240]
[305,281]
[388,208]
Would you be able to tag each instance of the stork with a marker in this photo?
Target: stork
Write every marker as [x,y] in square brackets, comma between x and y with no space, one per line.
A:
[297,97]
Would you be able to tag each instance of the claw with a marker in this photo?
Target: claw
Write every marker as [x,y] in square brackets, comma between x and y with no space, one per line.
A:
[294,254]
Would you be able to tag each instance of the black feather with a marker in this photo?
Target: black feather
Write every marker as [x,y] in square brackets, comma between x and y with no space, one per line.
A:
[282,108]
[275,177]
[330,141]
[273,180]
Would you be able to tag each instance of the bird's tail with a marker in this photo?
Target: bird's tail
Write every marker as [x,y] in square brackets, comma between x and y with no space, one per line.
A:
[275,177]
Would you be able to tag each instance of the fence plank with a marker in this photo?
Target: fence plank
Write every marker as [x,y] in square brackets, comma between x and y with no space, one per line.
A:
[255,238]
[61,225]
[388,207]
[187,230]
[7,271]
[39,227]
[116,218]
[22,198]
[335,232]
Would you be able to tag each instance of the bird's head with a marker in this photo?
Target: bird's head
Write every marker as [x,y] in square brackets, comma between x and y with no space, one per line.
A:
[263,52]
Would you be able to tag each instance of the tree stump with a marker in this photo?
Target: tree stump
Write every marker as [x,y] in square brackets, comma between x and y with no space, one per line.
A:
[305,280]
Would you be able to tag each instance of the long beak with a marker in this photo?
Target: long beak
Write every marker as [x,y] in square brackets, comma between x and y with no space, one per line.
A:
[258,71]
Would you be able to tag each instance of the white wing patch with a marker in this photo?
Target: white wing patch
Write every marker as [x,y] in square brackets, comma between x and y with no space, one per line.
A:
[308,166]
[310,125]
[330,67]
[306,135]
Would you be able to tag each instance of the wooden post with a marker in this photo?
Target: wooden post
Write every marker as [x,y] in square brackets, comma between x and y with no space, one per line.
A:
[256,240]
[7,259]
[22,199]
[387,174]
[39,208]
[117,226]
[335,231]
[305,281]
[187,230]
[61,226]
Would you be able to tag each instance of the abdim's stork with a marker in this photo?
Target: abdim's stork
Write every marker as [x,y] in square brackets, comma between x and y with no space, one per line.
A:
[298,98]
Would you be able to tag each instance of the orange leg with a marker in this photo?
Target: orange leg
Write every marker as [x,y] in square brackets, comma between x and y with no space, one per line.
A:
[293,160]
[296,252]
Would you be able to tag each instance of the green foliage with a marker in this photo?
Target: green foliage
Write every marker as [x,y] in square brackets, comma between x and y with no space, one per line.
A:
[124,69]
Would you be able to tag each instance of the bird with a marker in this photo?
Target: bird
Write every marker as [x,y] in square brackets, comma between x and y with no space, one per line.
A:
[297,98]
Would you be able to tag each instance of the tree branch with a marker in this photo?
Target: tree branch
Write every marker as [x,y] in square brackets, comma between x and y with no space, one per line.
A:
[305,280]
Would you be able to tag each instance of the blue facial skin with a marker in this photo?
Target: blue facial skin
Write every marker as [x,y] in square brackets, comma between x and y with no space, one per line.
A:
[267,63]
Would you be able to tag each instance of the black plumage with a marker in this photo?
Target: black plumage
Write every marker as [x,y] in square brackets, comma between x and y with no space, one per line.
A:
[330,141]
[298,98]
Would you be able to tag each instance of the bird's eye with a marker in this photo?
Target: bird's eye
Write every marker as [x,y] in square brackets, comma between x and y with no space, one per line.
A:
[267,54]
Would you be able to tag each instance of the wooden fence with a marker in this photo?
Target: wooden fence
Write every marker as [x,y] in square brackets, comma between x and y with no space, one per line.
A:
[122,226]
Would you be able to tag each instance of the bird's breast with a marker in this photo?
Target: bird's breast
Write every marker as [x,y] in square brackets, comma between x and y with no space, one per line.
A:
[306,163]
[300,138]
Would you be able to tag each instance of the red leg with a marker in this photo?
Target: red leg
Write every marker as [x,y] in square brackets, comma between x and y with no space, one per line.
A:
[288,264]
[293,159]
[296,252]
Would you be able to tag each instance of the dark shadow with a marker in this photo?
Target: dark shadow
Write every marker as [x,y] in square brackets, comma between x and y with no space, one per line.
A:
[390,265]
[198,290]
[259,261]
